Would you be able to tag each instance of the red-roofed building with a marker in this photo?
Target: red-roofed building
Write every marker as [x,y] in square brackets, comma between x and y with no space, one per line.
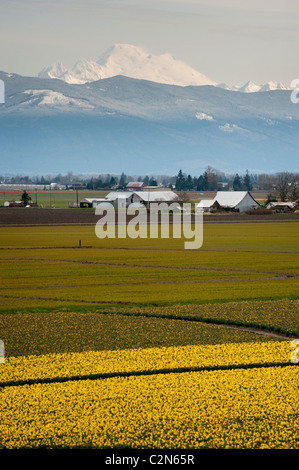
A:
[135,186]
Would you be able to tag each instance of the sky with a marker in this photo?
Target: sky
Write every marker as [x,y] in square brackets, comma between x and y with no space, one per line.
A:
[230,41]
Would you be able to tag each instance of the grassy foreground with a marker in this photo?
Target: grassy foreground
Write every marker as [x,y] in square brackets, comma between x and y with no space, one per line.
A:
[44,267]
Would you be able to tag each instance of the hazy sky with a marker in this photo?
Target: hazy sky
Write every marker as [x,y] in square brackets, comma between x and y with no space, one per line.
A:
[230,41]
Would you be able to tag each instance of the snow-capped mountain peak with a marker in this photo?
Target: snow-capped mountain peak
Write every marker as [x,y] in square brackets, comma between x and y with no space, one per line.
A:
[249,87]
[273,86]
[57,70]
[136,62]
[130,61]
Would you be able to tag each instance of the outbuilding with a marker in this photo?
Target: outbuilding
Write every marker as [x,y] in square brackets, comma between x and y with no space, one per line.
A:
[238,201]
[135,186]
[148,197]
[207,205]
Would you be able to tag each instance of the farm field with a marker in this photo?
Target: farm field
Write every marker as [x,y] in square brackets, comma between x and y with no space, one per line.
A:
[125,343]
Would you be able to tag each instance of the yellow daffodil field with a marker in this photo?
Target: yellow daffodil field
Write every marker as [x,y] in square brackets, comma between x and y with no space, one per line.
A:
[138,344]
[185,397]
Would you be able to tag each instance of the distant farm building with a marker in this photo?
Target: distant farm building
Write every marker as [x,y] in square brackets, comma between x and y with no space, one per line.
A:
[91,202]
[148,197]
[236,201]
[283,206]
[156,188]
[207,205]
[135,186]
[122,199]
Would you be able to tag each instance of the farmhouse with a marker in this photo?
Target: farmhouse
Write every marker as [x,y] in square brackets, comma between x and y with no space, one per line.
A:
[135,186]
[238,201]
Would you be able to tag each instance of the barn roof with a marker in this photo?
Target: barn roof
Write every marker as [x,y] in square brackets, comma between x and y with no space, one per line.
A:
[206,203]
[158,196]
[230,198]
[135,184]
[119,194]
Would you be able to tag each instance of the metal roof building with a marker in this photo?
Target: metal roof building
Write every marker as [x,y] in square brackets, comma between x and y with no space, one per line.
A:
[135,186]
[207,205]
[157,196]
[240,201]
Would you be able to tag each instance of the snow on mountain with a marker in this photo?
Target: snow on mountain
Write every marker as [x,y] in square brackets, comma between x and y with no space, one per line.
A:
[249,87]
[228,87]
[136,62]
[57,70]
[129,61]
[270,86]
[141,126]
[54,99]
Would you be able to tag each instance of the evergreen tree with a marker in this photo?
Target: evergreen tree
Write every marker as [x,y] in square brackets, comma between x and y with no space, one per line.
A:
[180,181]
[237,183]
[247,182]
[153,182]
[122,181]
[203,182]
[189,183]
[25,198]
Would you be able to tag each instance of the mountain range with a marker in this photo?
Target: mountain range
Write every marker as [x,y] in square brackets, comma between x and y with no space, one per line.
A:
[120,123]
[136,62]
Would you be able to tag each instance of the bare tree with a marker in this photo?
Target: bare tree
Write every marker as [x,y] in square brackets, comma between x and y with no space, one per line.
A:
[294,188]
[283,185]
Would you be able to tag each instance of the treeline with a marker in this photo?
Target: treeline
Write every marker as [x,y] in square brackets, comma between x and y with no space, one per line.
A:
[212,180]
[285,185]
[101,181]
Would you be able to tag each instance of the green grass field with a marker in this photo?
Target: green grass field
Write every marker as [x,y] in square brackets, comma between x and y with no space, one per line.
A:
[44,267]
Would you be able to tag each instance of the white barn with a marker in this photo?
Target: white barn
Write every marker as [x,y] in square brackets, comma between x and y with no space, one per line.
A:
[240,201]
[236,200]
[146,197]
[122,199]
